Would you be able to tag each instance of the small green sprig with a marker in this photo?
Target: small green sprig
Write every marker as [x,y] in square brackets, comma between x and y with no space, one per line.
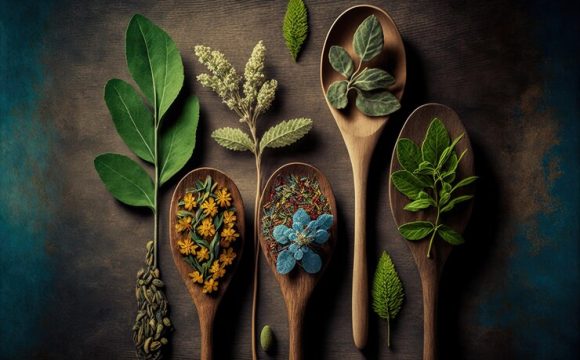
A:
[295,26]
[388,293]
[371,85]
[428,179]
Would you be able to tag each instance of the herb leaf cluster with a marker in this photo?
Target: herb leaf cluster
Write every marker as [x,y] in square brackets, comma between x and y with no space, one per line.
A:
[295,26]
[156,66]
[428,179]
[388,293]
[370,84]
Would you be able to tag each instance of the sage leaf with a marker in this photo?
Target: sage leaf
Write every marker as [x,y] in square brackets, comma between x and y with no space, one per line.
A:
[408,154]
[453,202]
[285,133]
[419,204]
[372,79]
[464,182]
[125,180]
[450,235]
[340,61]
[436,140]
[407,183]
[368,39]
[337,94]
[448,151]
[380,103]
[416,230]
[177,143]
[132,119]
[154,63]
[233,139]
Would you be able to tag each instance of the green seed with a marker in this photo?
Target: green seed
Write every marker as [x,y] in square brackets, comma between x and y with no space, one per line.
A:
[267,338]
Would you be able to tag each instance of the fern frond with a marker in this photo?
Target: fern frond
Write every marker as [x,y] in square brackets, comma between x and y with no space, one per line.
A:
[295,27]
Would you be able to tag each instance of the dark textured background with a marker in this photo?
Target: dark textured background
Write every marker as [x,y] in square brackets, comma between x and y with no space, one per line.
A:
[69,252]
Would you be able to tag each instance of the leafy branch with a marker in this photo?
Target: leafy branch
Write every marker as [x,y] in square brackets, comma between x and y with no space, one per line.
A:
[156,66]
[428,179]
[248,97]
[370,84]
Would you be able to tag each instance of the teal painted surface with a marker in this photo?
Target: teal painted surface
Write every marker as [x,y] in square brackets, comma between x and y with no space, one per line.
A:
[539,305]
[26,202]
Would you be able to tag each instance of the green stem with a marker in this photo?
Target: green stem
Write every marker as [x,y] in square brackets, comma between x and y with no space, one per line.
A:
[436,194]
[388,333]
[155,195]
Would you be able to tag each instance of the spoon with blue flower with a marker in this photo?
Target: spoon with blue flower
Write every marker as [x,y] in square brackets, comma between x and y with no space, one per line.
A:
[297,227]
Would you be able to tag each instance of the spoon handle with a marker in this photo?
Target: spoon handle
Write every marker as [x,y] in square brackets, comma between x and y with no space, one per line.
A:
[295,319]
[429,283]
[206,318]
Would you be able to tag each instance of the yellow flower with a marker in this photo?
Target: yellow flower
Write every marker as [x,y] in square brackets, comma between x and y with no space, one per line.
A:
[229,218]
[209,207]
[224,198]
[202,254]
[196,277]
[189,201]
[183,224]
[228,256]
[217,270]
[206,228]
[229,234]
[187,247]
[210,286]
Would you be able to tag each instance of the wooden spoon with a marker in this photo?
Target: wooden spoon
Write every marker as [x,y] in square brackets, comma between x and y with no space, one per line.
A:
[206,304]
[297,286]
[430,268]
[360,133]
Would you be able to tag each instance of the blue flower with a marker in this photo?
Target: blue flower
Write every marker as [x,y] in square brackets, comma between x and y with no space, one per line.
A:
[297,242]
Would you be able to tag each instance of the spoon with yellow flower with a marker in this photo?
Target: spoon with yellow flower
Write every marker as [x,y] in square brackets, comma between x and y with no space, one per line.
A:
[207,238]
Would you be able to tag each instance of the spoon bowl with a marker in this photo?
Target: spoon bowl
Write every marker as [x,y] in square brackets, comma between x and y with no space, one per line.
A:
[430,269]
[298,285]
[361,133]
[206,304]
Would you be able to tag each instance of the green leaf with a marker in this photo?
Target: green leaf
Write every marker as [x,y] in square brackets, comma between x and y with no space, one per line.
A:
[464,182]
[448,151]
[419,204]
[373,79]
[380,103]
[368,39]
[125,180]
[407,183]
[408,154]
[388,293]
[337,94]
[450,235]
[285,133]
[416,230]
[154,62]
[436,140]
[178,141]
[453,202]
[340,61]
[132,119]
[295,27]
[233,139]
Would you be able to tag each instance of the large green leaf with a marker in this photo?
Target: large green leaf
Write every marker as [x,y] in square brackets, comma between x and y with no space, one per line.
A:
[233,139]
[408,184]
[408,154]
[285,133]
[436,141]
[178,141]
[416,230]
[368,38]
[126,180]
[154,63]
[380,103]
[133,121]
[450,235]
[337,94]
[340,61]
[373,79]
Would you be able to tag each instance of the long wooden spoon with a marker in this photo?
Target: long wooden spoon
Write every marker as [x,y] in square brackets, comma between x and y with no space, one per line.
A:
[430,268]
[297,286]
[360,133]
[206,304]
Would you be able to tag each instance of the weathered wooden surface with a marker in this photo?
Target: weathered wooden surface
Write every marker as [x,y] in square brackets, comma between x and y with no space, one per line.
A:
[510,71]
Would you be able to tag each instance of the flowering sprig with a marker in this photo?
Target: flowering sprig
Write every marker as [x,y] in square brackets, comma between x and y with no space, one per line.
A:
[299,240]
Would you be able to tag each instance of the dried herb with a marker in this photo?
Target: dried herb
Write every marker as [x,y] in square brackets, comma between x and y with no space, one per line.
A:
[208,223]
[370,84]
[249,97]
[295,223]
[428,179]
[388,293]
[156,66]
[295,26]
